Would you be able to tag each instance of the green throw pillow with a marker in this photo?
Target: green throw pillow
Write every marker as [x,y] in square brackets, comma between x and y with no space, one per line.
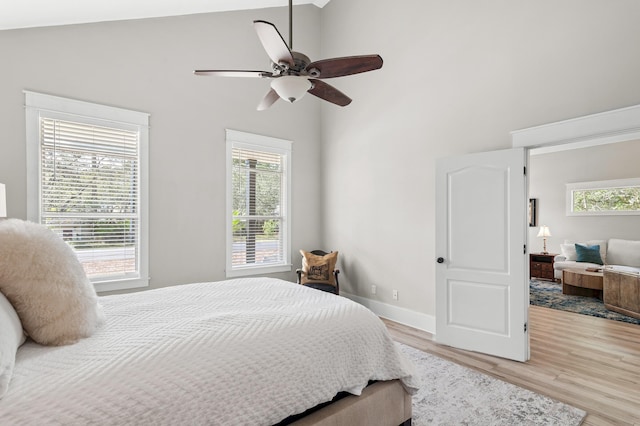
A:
[590,254]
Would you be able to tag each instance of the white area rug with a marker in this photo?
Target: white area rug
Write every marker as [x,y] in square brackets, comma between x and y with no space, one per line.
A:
[451,394]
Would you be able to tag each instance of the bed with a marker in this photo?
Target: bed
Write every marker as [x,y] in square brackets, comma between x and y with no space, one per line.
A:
[251,351]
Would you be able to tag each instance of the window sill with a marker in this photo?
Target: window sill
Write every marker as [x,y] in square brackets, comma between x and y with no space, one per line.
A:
[123,284]
[258,270]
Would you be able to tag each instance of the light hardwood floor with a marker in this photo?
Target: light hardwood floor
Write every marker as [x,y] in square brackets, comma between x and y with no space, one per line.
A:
[590,363]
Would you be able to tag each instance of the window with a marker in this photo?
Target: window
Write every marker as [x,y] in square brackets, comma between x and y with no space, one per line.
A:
[87,181]
[258,222]
[608,197]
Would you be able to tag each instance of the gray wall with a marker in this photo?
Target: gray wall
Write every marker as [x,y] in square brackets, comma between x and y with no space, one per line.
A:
[549,174]
[147,65]
[458,77]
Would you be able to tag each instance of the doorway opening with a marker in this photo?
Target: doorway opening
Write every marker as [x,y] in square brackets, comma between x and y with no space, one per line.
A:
[597,147]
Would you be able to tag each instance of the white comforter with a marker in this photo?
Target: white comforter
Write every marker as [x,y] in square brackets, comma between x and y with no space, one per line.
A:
[247,351]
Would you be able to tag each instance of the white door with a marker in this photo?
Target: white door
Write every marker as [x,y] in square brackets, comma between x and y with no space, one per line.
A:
[482,289]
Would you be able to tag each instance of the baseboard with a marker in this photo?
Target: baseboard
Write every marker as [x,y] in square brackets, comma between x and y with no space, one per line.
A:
[394,313]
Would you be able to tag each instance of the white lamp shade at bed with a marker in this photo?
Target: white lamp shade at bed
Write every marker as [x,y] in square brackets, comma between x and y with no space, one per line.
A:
[3,201]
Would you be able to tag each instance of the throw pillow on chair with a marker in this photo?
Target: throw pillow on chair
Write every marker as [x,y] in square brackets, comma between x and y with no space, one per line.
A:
[318,270]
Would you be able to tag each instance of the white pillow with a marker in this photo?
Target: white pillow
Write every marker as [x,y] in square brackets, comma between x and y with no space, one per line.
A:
[11,337]
[624,252]
[568,249]
[46,284]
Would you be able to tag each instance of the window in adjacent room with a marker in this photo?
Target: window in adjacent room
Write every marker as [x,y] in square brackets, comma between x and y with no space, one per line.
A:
[258,200]
[87,181]
[608,197]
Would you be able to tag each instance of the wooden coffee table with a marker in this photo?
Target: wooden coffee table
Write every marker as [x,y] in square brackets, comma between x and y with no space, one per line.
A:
[578,282]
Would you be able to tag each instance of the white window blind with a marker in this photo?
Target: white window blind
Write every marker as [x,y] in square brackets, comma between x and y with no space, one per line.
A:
[87,180]
[259,234]
[90,191]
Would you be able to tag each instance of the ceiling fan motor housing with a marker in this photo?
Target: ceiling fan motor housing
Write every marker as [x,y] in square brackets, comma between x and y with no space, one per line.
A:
[300,62]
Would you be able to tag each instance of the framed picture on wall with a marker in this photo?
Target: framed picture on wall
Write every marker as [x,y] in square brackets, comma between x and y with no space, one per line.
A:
[533,214]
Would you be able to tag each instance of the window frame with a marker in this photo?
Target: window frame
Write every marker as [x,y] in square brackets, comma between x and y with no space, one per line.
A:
[237,139]
[41,105]
[598,185]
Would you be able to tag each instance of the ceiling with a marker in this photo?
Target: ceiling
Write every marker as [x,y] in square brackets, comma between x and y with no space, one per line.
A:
[41,13]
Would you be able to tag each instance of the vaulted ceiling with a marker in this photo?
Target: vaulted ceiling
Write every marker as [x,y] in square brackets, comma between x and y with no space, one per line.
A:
[41,13]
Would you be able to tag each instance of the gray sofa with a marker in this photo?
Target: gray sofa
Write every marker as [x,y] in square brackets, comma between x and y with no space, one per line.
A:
[617,254]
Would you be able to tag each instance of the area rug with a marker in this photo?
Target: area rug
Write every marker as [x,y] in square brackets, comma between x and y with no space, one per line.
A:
[451,394]
[549,295]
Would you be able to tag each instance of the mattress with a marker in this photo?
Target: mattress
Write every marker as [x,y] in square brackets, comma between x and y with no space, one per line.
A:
[249,351]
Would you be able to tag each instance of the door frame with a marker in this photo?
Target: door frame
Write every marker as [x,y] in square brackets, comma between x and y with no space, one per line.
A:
[604,128]
[618,125]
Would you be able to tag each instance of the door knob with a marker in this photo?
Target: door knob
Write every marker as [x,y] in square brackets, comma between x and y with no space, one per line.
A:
[440,260]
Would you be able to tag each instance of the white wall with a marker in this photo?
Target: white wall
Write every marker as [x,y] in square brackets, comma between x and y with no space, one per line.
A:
[147,65]
[458,76]
[549,174]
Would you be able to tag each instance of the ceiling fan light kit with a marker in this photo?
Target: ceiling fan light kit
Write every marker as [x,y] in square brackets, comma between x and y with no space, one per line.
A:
[294,74]
[291,87]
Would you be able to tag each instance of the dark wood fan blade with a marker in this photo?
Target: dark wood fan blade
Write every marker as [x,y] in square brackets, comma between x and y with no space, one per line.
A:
[234,73]
[348,65]
[269,99]
[273,43]
[328,93]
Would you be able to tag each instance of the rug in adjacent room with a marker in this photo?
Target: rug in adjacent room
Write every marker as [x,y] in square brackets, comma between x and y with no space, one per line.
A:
[451,394]
[549,295]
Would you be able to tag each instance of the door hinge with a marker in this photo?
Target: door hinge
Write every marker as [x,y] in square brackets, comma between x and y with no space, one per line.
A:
[525,170]
[525,249]
[525,327]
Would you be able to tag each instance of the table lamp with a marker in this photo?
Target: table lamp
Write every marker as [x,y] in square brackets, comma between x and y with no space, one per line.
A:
[544,233]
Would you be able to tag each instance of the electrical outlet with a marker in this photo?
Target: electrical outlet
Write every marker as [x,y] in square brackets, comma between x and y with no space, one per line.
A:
[395,294]
[373,289]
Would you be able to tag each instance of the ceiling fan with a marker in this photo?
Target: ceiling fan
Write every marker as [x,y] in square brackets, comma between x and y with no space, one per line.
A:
[293,74]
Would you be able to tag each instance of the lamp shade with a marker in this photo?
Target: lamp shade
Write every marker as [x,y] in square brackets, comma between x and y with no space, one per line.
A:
[544,232]
[3,201]
[291,87]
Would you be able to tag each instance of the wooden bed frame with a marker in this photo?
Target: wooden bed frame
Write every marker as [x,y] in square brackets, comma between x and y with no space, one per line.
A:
[381,404]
